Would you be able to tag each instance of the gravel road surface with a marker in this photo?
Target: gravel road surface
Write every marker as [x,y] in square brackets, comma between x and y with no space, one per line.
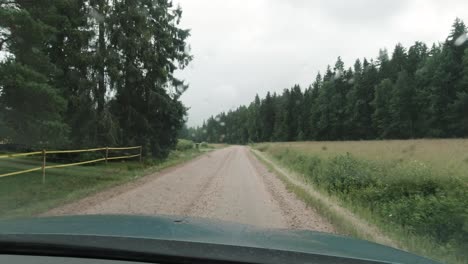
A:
[227,184]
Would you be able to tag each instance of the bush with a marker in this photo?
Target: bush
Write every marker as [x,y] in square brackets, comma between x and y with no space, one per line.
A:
[344,174]
[183,145]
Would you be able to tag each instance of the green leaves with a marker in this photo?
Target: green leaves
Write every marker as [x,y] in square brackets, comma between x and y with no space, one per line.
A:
[32,109]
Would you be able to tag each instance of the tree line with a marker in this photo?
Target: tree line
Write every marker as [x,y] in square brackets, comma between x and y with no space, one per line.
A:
[413,93]
[91,73]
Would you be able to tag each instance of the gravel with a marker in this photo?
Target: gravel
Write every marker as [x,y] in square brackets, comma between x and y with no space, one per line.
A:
[228,184]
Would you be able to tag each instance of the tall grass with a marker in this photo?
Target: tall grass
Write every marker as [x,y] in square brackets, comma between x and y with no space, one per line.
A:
[442,155]
[418,197]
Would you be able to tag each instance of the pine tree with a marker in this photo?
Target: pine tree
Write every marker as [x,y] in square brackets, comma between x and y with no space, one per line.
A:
[399,61]
[281,117]
[314,108]
[402,108]
[359,100]
[253,120]
[146,43]
[294,113]
[444,80]
[459,108]
[381,118]
[420,68]
[383,64]
[324,129]
[267,116]
[32,107]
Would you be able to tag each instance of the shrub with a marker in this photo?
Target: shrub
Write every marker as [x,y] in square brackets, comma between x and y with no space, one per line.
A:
[345,173]
[183,144]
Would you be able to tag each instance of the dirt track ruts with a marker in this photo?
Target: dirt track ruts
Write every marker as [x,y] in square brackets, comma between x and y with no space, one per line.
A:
[227,184]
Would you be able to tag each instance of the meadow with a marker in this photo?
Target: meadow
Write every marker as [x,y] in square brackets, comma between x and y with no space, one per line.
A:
[416,191]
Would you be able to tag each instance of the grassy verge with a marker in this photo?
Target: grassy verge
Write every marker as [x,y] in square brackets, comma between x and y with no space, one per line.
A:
[327,207]
[421,208]
[24,195]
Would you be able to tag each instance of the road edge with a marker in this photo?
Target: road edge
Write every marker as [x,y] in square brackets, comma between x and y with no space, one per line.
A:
[148,174]
[341,218]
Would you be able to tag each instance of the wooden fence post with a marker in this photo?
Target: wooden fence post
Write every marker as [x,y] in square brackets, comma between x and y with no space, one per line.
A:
[43,165]
[107,153]
[140,153]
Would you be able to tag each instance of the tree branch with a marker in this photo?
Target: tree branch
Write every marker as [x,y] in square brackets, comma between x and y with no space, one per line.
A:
[3,41]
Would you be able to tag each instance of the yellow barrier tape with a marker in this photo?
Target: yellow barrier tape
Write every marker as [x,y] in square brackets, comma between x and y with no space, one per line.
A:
[20,154]
[20,172]
[124,148]
[123,157]
[73,151]
[73,164]
[66,165]
[64,151]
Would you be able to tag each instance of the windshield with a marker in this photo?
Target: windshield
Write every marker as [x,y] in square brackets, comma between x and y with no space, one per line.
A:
[344,117]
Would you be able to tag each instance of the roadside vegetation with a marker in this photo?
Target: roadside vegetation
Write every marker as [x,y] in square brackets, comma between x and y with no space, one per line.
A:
[414,191]
[25,195]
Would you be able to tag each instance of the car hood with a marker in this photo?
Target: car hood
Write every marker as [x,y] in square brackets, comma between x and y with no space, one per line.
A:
[196,230]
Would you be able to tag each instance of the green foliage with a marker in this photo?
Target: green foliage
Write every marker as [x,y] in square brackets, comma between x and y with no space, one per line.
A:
[402,108]
[90,73]
[32,109]
[409,195]
[183,144]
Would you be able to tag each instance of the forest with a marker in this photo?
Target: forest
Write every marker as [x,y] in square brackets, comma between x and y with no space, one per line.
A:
[415,92]
[93,73]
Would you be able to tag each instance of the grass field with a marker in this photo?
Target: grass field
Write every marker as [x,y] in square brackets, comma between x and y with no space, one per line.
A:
[445,155]
[24,195]
[416,191]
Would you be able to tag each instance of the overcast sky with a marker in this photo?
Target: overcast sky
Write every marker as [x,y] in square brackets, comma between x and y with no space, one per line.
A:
[246,47]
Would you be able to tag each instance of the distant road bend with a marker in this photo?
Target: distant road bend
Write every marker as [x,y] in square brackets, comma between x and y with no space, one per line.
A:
[227,184]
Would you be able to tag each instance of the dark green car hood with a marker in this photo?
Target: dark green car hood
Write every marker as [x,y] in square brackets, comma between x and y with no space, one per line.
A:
[208,231]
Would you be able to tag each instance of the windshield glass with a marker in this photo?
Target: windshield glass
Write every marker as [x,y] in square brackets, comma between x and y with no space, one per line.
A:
[344,117]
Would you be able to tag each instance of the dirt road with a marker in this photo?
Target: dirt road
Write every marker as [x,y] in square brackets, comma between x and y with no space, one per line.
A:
[228,184]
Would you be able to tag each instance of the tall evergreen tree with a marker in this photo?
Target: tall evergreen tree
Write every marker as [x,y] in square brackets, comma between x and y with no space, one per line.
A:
[359,101]
[459,108]
[402,108]
[381,117]
[146,42]
[314,109]
[267,116]
[444,82]
[32,106]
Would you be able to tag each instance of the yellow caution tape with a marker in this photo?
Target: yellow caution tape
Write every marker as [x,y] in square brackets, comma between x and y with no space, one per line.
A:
[20,154]
[73,164]
[19,172]
[66,165]
[123,157]
[73,151]
[124,148]
[64,151]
